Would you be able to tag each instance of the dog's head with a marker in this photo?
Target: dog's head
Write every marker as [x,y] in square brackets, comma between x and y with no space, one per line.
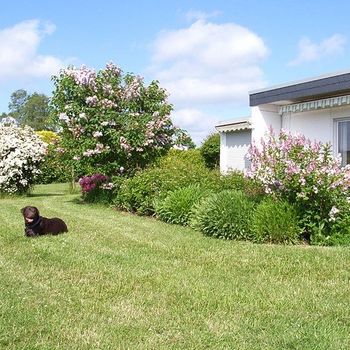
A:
[30,214]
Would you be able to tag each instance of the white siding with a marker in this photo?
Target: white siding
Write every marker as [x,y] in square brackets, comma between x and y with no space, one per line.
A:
[233,150]
[264,117]
[315,125]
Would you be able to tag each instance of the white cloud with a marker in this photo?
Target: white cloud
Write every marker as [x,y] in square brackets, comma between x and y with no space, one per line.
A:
[19,57]
[187,118]
[207,64]
[310,51]
[195,15]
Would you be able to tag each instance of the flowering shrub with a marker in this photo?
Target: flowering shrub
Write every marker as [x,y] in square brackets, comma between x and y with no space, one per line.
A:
[21,152]
[111,121]
[96,188]
[306,174]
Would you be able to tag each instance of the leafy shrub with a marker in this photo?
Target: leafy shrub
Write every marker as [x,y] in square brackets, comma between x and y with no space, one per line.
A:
[96,188]
[49,137]
[304,173]
[176,170]
[236,180]
[210,150]
[21,152]
[275,221]
[176,207]
[53,168]
[224,215]
[339,233]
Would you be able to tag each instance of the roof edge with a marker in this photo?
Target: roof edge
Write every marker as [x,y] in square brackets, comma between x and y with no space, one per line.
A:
[301,81]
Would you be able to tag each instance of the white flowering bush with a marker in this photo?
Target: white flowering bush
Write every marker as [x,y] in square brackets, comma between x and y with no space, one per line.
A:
[307,175]
[21,152]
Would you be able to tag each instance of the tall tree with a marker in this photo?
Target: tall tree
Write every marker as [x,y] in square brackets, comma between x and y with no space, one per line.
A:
[3,115]
[32,110]
[36,112]
[17,102]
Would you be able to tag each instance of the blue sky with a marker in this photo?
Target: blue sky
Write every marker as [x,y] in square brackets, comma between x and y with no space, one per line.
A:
[207,54]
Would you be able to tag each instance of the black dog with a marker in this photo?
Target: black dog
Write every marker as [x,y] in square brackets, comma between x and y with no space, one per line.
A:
[36,225]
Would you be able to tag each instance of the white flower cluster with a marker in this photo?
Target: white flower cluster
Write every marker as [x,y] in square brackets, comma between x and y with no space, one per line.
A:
[21,152]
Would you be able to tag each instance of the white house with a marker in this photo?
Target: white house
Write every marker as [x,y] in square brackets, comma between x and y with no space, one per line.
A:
[318,107]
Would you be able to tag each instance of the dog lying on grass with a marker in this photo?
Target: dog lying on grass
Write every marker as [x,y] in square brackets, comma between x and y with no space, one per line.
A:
[36,225]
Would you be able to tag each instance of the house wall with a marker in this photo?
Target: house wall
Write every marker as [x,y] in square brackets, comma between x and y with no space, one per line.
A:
[233,150]
[315,125]
[263,117]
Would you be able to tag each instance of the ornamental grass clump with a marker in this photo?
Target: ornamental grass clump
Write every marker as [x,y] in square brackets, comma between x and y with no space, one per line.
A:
[176,207]
[304,173]
[224,215]
[275,221]
[21,153]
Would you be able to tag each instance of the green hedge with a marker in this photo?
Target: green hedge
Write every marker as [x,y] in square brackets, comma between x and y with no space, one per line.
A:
[176,170]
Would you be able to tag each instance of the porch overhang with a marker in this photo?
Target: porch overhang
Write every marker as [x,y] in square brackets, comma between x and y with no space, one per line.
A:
[234,125]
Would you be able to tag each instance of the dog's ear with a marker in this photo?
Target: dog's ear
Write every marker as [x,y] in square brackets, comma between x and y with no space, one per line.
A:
[23,209]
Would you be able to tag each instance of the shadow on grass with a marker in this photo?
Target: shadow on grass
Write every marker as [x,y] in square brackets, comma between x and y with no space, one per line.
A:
[77,200]
[45,194]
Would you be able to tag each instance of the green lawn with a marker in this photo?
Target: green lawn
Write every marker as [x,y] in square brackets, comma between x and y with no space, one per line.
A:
[118,281]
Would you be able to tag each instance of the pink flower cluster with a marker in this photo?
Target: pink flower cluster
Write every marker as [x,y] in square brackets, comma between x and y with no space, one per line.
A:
[125,145]
[133,89]
[91,101]
[113,69]
[83,76]
[98,149]
[303,169]
[152,130]
[106,103]
[89,183]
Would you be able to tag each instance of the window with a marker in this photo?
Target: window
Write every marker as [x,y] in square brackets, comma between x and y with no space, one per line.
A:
[343,140]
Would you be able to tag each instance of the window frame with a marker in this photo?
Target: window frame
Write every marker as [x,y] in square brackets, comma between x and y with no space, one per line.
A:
[336,122]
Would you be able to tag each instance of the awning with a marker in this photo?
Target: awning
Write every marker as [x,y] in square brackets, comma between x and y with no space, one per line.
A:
[316,104]
[234,125]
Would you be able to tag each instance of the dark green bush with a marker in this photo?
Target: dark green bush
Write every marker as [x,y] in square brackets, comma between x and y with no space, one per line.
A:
[275,221]
[224,215]
[176,207]
[210,150]
[176,170]
[235,180]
